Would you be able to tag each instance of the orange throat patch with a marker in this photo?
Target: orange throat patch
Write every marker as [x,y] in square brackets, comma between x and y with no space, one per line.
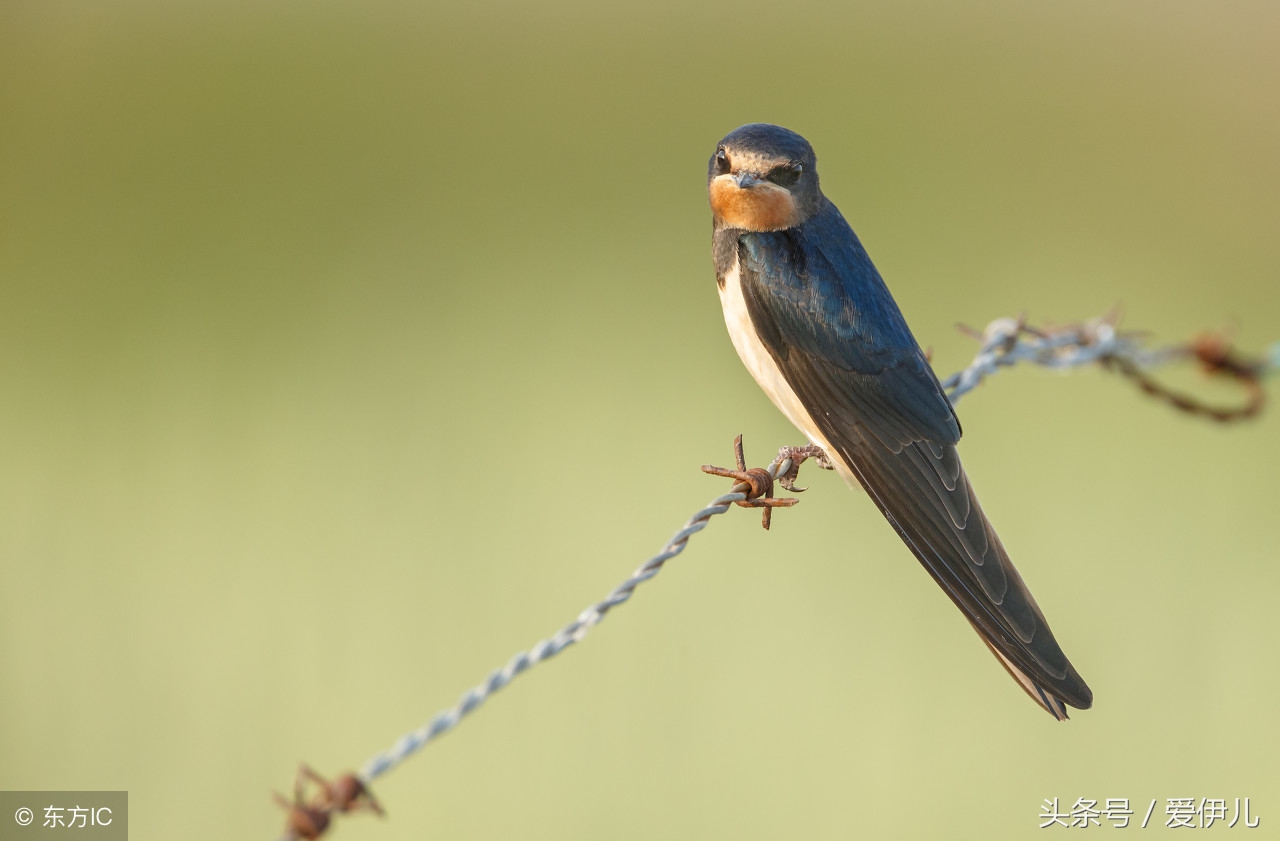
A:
[762,207]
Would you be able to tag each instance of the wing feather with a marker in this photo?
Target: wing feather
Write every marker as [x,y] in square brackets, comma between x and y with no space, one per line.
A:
[826,318]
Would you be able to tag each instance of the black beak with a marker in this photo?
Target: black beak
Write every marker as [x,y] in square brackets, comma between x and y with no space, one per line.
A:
[747,180]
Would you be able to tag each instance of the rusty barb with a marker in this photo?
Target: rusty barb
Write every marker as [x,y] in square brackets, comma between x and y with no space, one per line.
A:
[308,818]
[1217,358]
[1008,341]
[1005,342]
[759,484]
[759,480]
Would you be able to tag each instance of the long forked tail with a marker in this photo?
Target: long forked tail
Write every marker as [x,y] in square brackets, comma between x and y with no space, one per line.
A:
[1047,700]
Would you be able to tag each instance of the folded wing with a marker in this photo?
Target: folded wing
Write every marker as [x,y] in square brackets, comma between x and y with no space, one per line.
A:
[842,345]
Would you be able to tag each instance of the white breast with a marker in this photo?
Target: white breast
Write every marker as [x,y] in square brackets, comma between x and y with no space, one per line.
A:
[761,365]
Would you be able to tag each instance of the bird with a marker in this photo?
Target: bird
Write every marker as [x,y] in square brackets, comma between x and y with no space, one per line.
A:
[818,329]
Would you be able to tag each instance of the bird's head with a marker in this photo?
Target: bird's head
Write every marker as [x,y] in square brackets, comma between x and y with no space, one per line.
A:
[763,178]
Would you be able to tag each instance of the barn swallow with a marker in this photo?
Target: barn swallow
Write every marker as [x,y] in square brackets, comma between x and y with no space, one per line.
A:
[816,326]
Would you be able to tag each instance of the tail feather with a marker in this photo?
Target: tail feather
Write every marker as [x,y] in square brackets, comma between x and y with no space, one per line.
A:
[1047,700]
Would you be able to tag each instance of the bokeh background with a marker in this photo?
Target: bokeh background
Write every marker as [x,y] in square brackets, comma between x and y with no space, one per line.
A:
[347,349]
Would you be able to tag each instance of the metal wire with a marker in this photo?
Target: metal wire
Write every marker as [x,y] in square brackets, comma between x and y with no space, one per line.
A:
[446,720]
[1008,341]
[1005,342]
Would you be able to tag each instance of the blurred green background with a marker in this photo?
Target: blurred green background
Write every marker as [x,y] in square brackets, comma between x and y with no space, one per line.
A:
[347,349]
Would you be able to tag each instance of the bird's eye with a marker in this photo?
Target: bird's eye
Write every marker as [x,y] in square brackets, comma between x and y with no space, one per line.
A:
[721,161]
[786,175]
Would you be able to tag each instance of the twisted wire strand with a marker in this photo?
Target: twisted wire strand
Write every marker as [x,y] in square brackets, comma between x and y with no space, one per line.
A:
[1007,341]
[446,720]
[1004,343]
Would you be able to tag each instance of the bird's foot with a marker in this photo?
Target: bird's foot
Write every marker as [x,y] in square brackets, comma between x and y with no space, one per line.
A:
[759,482]
[798,455]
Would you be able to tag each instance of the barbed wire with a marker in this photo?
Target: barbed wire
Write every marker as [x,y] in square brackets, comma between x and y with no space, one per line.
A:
[309,818]
[574,632]
[1008,341]
[1005,342]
